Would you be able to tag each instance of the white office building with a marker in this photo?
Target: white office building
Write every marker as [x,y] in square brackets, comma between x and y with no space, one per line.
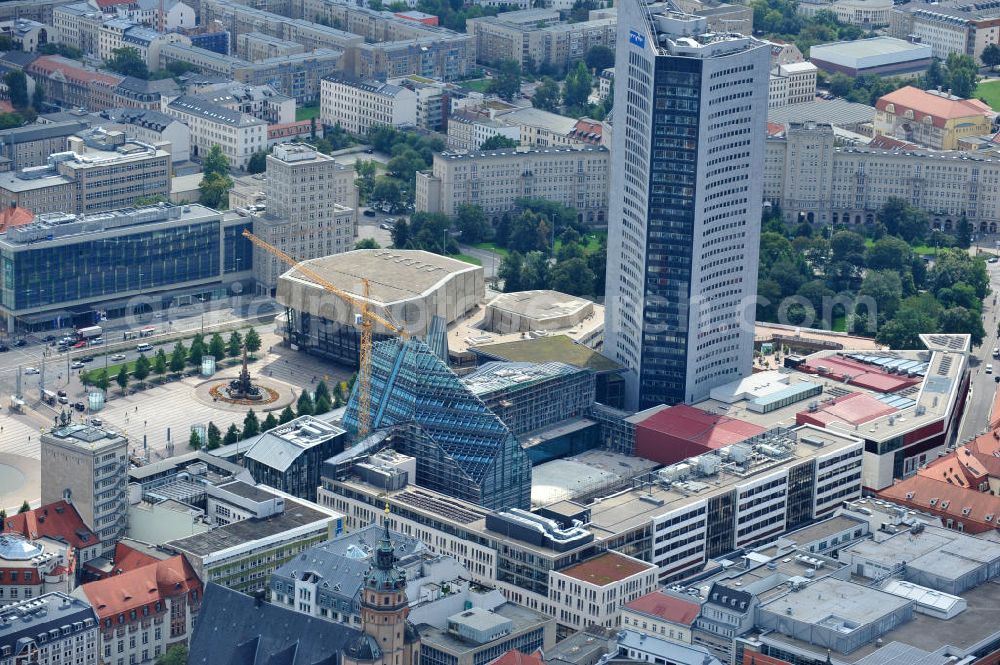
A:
[357,104]
[684,219]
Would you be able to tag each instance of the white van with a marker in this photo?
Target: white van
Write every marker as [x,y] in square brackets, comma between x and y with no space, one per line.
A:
[143,348]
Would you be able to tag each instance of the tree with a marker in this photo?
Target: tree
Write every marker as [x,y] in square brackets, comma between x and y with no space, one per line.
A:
[401,234]
[142,368]
[215,162]
[535,274]
[214,437]
[25,507]
[175,655]
[889,253]
[574,277]
[507,83]
[122,378]
[287,415]
[232,435]
[366,169]
[214,190]
[251,426]
[959,320]
[101,380]
[510,272]
[547,95]
[576,89]
[935,76]
[160,363]
[321,390]
[386,192]
[257,162]
[17,86]
[127,61]
[269,423]
[472,223]
[235,344]
[367,243]
[194,441]
[38,98]
[991,56]
[498,142]
[9,120]
[217,347]
[252,340]
[323,405]
[885,288]
[600,58]
[178,357]
[197,350]
[305,405]
[3,518]
[963,231]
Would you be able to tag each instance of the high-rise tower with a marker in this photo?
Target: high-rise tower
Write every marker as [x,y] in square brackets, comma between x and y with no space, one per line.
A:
[686,186]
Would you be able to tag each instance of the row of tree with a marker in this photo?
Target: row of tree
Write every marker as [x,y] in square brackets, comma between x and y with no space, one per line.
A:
[322,400]
[781,19]
[177,361]
[957,74]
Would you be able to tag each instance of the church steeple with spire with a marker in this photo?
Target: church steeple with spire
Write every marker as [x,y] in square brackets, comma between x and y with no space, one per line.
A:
[389,639]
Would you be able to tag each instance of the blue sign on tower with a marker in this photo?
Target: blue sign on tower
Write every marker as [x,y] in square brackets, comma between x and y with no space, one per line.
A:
[635,38]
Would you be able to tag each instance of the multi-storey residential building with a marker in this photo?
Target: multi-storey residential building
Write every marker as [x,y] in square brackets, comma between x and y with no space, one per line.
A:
[949,27]
[54,629]
[536,38]
[814,178]
[931,118]
[31,145]
[468,130]
[145,610]
[289,456]
[31,568]
[462,448]
[238,134]
[152,127]
[101,262]
[148,41]
[260,101]
[100,171]
[68,83]
[684,224]
[792,84]
[87,467]
[868,14]
[357,105]
[259,529]
[307,215]
[496,180]
[111,37]
[79,25]
[433,100]
[255,46]
[662,614]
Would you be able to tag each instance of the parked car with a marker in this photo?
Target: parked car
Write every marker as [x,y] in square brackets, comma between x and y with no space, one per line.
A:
[87,359]
[369,213]
[989,368]
[20,342]
[64,400]
[118,356]
[76,364]
[96,422]
[31,370]
[80,406]
[50,338]
[61,393]
[4,348]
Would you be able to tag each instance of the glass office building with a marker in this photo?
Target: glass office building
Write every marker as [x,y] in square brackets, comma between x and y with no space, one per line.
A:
[462,448]
[62,268]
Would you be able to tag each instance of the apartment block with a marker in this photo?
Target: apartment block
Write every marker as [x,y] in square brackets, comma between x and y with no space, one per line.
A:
[535,38]
[495,180]
[68,83]
[792,84]
[814,178]
[152,127]
[87,466]
[238,134]
[256,46]
[931,118]
[468,130]
[357,104]
[31,145]
[948,27]
[51,630]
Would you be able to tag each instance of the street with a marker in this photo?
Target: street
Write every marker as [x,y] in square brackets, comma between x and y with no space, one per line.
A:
[982,385]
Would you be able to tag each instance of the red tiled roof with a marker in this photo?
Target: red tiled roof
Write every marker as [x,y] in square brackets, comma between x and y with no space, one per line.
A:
[924,104]
[141,586]
[46,65]
[775,128]
[693,424]
[104,4]
[58,521]
[606,568]
[667,607]
[884,142]
[962,504]
[16,216]
[127,558]
[515,657]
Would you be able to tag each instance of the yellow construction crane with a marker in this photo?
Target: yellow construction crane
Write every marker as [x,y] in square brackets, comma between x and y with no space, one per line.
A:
[368,318]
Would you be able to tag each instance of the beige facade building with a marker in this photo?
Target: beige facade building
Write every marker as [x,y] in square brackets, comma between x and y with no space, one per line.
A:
[357,104]
[815,179]
[948,27]
[864,13]
[239,134]
[88,467]
[495,180]
[794,83]
[536,38]
[931,118]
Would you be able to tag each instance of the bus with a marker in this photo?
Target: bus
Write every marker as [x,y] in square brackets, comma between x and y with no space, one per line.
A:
[89,332]
[148,331]
[49,397]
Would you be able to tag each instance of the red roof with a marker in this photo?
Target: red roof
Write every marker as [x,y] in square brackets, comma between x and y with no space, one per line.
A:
[587,130]
[938,108]
[142,586]
[515,657]
[858,374]
[884,142]
[58,521]
[693,424]
[47,65]
[851,409]
[775,128]
[104,4]
[667,607]
[16,216]
[607,568]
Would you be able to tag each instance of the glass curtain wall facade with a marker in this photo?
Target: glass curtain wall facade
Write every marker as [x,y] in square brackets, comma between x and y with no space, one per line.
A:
[462,448]
[684,222]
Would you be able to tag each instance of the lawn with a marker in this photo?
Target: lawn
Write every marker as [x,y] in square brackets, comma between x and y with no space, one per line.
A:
[468,259]
[306,113]
[476,85]
[990,91]
[492,247]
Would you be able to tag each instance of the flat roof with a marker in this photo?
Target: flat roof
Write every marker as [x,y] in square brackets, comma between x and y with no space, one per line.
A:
[607,568]
[522,618]
[562,479]
[540,304]
[559,348]
[860,48]
[829,601]
[833,111]
[817,532]
[295,515]
[693,424]
[394,275]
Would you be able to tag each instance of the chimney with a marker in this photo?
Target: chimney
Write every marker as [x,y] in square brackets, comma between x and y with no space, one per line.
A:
[258,597]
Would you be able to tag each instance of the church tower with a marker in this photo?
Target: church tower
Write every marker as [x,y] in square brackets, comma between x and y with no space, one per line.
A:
[389,639]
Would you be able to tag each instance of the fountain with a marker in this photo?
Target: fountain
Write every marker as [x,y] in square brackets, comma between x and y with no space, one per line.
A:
[242,388]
